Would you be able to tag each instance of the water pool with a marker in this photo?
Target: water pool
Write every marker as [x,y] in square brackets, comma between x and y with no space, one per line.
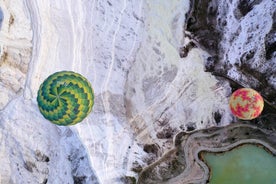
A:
[246,164]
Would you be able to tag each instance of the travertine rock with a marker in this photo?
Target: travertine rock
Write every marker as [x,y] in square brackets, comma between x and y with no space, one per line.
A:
[147,72]
[183,164]
[240,36]
[15,49]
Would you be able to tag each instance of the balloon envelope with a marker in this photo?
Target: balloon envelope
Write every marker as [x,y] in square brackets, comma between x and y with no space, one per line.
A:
[246,103]
[65,98]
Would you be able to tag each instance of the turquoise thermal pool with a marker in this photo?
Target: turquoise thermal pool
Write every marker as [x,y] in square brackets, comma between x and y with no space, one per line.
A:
[246,164]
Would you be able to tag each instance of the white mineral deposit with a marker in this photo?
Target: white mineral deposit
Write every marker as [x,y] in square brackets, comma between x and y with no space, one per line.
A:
[145,93]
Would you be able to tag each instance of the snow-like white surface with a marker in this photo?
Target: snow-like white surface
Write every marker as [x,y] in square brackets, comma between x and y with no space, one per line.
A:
[15,49]
[246,34]
[128,50]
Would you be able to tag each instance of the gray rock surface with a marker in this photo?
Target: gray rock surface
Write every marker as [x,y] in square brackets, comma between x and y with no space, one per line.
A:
[240,37]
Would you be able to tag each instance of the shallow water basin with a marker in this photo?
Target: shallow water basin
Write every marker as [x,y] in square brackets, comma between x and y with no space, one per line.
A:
[246,164]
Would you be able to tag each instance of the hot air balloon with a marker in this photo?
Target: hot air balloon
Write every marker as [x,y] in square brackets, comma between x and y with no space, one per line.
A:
[65,98]
[246,103]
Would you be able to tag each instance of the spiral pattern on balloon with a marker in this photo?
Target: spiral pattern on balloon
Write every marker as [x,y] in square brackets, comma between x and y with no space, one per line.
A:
[65,98]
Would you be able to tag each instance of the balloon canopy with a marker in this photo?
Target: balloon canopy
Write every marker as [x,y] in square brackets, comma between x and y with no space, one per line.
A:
[65,98]
[246,103]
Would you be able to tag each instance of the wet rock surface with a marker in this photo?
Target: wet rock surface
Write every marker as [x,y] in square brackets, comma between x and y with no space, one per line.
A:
[1,17]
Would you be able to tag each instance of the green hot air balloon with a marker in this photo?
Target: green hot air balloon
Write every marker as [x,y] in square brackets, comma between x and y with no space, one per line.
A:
[65,98]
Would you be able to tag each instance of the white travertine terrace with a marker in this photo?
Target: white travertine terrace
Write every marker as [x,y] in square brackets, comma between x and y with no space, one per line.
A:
[129,51]
[15,49]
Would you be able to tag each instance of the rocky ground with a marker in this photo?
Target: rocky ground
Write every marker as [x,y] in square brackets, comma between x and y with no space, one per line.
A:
[240,38]
[183,163]
[159,70]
